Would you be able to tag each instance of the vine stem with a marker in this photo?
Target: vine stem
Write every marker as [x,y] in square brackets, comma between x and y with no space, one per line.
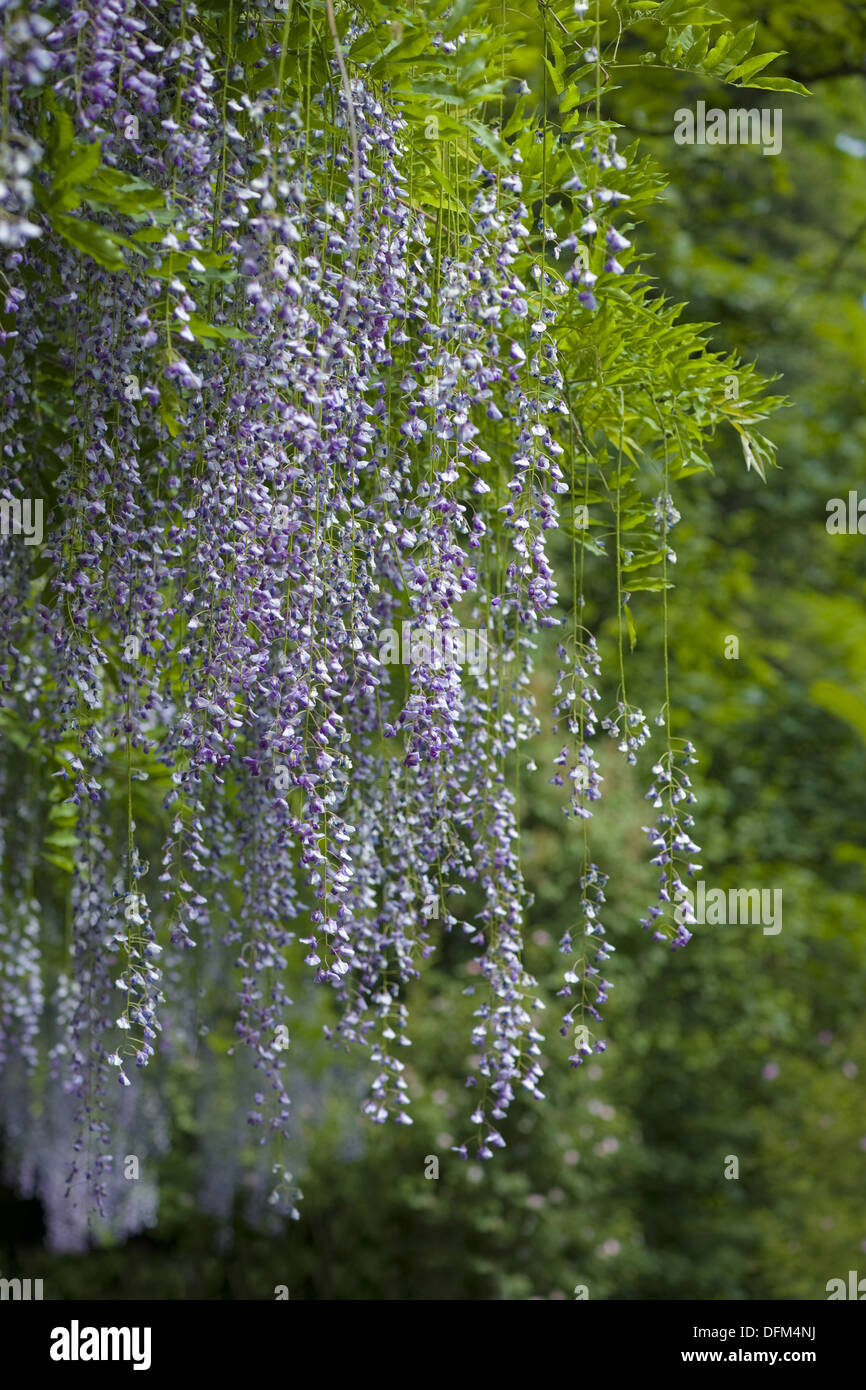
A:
[619,548]
[353,137]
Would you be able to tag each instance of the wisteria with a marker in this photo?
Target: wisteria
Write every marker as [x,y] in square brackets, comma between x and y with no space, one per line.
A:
[281,392]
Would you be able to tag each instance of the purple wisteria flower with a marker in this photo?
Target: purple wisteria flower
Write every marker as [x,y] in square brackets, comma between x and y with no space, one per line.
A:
[277,407]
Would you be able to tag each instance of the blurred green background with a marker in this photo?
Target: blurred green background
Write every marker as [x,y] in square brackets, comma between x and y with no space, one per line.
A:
[746,1045]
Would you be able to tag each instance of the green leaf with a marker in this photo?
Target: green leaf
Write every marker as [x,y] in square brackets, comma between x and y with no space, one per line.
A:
[167,417]
[457,14]
[435,89]
[555,77]
[119,192]
[650,582]
[486,137]
[734,47]
[62,839]
[642,561]
[151,234]
[83,162]
[214,332]
[779,84]
[844,704]
[61,131]
[60,861]
[682,12]
[369,43]
[754,64]
[14,730]
[90,239]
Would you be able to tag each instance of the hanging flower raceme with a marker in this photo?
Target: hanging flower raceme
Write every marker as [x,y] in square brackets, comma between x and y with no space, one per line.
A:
[672,846]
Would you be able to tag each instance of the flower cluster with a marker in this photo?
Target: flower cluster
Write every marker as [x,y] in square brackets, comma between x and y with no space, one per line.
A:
[278,406]
[672,845]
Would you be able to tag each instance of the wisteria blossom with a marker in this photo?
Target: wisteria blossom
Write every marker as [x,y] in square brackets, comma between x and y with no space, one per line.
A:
[288,379]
